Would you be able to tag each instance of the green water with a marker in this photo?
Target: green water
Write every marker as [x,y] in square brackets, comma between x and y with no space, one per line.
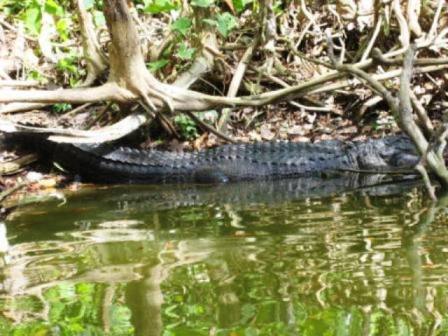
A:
[239,260]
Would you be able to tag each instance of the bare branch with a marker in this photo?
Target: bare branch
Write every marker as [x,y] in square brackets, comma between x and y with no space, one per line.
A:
[106,134]
[405,36]
[108,91]
[236,82]
[422,115]
[413,13]
[435,162]
[20,107]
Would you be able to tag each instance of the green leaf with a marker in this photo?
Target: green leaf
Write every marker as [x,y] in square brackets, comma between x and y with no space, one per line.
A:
[62,26]
[88,4]
[33,19]
[67,65]
[52,7]
[160,6]
[36,75]
[187,128]
[182,25]
[240,5]
[62,107]
[157,65]
[185,52]
[99,18]
[202,3]
[226,23]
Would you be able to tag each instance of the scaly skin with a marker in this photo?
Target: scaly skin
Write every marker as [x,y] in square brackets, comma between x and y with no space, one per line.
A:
[262,161]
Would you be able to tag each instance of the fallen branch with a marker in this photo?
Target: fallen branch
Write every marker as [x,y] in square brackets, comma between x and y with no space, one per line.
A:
[105,134]
[21,107]
[15,166]
[10,191]
[19,83]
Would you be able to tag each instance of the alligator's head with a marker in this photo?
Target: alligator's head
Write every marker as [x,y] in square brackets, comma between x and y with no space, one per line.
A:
[396,152]
[400,152]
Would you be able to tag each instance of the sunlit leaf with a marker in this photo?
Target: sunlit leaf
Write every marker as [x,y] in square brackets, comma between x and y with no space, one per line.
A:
[202,3]
[187,126]
[240,5]
[160,6]
[185,52]
[99,18]
[52,7]
[62,26]
[182,25]
[33,19]
[157,65]
[88,4]
[226,22]
[61,107]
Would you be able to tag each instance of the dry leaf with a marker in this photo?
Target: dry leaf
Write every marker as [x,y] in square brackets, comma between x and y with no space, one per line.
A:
[266,133]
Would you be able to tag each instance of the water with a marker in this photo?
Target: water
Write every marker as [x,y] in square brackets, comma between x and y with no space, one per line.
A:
[244,259]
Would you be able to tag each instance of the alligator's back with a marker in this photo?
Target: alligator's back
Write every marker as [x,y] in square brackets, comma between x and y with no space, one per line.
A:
[267,161]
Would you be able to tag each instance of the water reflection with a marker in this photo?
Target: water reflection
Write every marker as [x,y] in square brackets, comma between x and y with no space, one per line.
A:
[249,259]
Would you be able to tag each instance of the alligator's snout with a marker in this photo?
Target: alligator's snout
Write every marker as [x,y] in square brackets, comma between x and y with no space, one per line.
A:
[402,160]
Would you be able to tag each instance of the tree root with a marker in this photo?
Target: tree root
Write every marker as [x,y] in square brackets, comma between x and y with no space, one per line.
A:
[105,134]
[15,166]
[10,191]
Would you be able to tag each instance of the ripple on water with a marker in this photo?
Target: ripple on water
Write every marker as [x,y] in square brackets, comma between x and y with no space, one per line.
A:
[232,264]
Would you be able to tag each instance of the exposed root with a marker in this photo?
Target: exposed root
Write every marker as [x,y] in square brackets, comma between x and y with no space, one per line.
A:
[20,107]
[15,166]
[10,191]
[105,134]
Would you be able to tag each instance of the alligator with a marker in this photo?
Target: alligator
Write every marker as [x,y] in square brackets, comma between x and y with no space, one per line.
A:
[235,162]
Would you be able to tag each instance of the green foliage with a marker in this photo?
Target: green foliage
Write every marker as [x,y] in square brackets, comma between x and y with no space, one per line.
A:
[240,5]
[61,108]
[157,65]
[99,19]
[89,4]
[62,27]
[52,7]
[70,68]
[32,18]
[160,6]
[224,22]
[36,75]
[202,3]
[182,25]
[185,52]
[30,12]
[187,126]
[68,64]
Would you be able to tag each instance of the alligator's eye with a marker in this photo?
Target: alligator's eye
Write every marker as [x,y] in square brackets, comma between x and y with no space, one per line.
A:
[387,154]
